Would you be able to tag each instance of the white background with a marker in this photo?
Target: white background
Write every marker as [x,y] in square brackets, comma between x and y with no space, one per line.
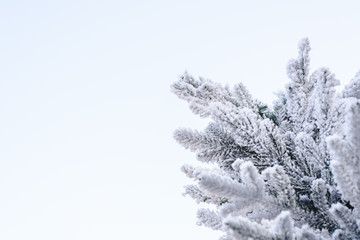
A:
[86,115]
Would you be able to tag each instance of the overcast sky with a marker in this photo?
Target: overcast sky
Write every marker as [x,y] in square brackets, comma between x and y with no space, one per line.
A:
[86,115]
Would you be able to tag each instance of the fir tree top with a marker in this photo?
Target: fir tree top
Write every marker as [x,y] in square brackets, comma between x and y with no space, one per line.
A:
[287,172]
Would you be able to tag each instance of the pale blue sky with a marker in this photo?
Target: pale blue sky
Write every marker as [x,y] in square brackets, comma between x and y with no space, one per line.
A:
[86,115]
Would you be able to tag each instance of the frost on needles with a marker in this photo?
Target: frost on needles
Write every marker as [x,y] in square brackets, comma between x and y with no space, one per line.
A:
[287,172]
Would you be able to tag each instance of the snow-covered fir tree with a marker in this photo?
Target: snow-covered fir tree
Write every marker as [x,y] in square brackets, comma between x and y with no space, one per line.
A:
[287,172]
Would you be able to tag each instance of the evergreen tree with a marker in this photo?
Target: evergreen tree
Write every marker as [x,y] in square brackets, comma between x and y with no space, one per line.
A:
[290,172]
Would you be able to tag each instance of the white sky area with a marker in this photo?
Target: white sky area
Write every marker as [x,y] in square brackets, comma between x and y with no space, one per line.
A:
[87,116]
